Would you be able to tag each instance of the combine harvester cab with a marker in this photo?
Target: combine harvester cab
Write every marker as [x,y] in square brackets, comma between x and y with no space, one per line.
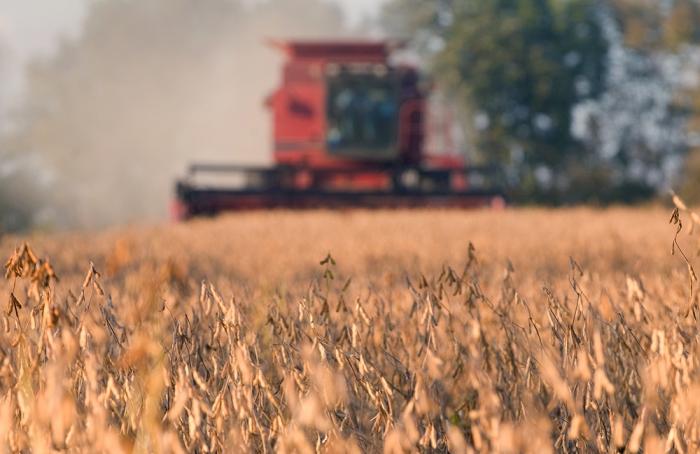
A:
[349,130]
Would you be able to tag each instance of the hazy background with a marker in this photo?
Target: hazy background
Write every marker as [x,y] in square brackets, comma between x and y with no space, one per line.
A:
[104,102]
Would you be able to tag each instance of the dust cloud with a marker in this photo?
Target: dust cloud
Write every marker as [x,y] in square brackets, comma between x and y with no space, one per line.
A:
[116,115]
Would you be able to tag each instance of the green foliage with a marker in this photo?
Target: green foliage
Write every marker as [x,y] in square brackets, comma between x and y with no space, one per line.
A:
[652,25]
[521,66]
[682,25]
[518,62]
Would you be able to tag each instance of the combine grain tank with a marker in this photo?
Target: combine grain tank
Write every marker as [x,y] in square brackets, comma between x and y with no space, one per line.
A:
[349,130]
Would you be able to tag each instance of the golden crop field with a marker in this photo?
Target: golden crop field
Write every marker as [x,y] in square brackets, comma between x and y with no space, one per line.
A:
[524,330]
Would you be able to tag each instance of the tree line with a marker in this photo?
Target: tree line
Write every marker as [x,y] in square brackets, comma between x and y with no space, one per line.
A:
[580,100]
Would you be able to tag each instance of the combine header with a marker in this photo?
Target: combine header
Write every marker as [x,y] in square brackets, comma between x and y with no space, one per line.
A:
[350,130]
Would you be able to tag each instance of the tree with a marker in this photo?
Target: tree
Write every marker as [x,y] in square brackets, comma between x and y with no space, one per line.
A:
[586,99]
[652,25]
[650,111]
[637,128]
[682,24]
[521,66]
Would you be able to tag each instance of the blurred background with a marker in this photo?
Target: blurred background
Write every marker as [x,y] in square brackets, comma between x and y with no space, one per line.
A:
[104,102]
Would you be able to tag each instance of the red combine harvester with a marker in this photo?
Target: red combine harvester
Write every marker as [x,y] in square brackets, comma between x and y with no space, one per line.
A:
[350,130]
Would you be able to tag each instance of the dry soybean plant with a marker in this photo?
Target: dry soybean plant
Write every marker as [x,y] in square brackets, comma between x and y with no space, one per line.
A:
[441,364]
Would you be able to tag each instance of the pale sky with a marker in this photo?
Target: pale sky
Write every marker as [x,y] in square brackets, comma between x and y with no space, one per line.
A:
[32,26]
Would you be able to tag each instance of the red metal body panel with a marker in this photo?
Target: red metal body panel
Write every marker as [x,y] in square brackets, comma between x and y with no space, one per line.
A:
[299,104]
[337,51]
[299,117]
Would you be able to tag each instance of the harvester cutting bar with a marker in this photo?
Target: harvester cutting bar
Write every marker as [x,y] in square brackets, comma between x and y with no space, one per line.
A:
[210,188]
